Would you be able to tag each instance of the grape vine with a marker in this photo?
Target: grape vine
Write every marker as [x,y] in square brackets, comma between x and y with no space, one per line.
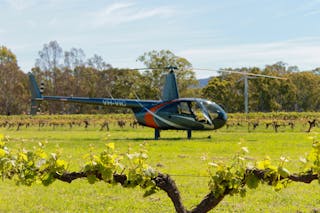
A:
[27,167]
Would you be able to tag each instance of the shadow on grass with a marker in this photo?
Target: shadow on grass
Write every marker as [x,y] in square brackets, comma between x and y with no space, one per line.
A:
[206,139]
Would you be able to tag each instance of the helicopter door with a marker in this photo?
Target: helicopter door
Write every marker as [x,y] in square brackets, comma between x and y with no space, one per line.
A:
[199,113]
[184,108]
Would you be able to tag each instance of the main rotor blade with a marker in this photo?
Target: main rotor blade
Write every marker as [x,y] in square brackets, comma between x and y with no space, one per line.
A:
[156,68]
[242,73]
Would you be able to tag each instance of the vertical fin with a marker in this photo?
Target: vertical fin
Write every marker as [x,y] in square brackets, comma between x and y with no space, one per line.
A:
[170,89]
[35,94]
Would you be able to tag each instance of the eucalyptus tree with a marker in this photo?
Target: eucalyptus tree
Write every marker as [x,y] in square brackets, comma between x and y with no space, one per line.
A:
[158,61]
[98,63]
[13,88]
[49,61]
[308,90]
[226,91]
[74,58]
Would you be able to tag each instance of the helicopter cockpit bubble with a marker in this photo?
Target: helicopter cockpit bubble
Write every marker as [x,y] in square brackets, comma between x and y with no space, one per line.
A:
[194,113]
[216,113]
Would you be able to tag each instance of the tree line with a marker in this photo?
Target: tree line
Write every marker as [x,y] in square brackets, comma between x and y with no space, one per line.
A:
[71,73]
[299,91]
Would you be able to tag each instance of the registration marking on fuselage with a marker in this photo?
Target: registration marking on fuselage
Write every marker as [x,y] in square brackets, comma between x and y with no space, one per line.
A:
[107,102]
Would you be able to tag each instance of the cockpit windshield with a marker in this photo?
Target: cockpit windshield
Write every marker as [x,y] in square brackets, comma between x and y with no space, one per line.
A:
[198,112]
[195,109]
[211,109]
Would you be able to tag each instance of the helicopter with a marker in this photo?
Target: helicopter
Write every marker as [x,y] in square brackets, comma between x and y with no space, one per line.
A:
[172,112]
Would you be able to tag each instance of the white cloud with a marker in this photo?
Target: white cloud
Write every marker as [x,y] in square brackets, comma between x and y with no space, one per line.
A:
[312,12]
[303,8]
[2,31]
[303,53]
[113,8]
[21,4]
[53,21]
[27,4]
[31,23]
[119,13]
[310,8]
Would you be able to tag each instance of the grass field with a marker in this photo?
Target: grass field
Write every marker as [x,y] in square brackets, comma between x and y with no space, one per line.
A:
[173,154]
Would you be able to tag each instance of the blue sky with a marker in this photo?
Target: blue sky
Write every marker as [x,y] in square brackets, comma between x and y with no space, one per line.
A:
[210,34]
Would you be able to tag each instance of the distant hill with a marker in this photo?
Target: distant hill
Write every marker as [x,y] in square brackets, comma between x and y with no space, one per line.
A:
[203,82]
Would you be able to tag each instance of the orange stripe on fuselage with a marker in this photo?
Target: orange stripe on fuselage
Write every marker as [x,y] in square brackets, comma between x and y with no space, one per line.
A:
[149,118]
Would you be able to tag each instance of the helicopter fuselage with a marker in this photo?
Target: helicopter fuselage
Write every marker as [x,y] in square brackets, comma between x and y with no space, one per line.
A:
[180,114]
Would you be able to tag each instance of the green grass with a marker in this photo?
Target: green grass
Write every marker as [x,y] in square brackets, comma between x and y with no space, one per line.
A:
[173,154]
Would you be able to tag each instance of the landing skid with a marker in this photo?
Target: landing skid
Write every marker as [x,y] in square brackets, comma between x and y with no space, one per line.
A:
[157,134]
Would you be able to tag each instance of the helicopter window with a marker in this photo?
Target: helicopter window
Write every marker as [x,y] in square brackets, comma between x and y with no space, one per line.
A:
[184,108]
[212,110]
[197,111]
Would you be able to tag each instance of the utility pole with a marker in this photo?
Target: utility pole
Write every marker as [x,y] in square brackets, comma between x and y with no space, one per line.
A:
[246,96]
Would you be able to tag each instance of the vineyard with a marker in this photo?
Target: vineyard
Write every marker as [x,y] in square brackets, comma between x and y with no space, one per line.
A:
[281,121]
[285,143]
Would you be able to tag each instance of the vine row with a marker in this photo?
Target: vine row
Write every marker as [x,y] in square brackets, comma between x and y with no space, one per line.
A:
[27,167]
